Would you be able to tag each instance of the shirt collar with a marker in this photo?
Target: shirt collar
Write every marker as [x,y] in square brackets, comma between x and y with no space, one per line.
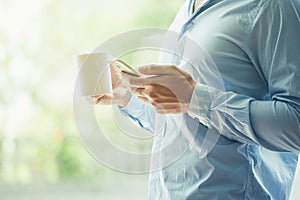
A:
[191,5]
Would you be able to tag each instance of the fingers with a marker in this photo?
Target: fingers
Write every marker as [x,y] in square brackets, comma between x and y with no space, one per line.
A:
[171,111]
[163,108]
[169,108]
[144,99]
[161,104]
[105,99]
[139,92]
[140,82]
[154,69]
[161,74]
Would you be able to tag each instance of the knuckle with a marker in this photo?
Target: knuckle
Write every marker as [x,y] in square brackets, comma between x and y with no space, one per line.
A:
[173,67]
[151,86]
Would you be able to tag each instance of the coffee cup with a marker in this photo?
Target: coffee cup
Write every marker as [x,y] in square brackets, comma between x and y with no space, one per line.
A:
[94,73]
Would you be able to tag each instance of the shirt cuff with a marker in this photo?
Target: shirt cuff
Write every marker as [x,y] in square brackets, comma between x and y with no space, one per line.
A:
[200,104]
[133,107]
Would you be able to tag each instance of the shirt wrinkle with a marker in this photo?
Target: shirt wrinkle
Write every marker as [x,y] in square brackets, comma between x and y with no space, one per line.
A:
[248,97]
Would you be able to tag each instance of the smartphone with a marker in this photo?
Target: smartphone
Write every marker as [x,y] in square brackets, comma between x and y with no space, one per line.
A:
[125,68]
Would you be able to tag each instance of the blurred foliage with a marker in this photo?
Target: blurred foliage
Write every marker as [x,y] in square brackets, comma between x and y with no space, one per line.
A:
[38,140]
[1,154]
[68,161]
[157,13]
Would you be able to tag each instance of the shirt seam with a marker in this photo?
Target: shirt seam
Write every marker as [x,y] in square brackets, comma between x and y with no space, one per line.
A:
[249,29]
[254,14]
[248,182]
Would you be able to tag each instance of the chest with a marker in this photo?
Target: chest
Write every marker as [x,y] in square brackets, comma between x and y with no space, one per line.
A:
[214,50]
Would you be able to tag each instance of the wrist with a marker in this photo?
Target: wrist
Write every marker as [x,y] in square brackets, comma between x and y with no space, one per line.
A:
[193,85]
[121,96]
[124,100]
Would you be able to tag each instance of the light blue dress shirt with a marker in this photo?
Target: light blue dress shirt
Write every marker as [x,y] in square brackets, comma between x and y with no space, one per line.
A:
[255,47]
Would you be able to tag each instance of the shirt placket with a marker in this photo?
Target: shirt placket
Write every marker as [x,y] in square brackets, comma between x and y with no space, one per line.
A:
[186,26]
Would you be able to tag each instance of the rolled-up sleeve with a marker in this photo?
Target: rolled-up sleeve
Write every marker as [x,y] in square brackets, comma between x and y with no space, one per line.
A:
[274,123]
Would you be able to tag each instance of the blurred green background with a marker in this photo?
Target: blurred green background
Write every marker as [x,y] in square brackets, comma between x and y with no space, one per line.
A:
[41,156]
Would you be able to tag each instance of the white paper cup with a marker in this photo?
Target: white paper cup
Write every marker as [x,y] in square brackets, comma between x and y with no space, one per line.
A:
[94,74]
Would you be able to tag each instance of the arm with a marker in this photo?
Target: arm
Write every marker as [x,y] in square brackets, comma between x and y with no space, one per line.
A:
[139,112]
[128,104]
[274,124]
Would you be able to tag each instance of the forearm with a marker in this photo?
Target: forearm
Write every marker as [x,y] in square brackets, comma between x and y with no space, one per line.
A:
[271,124]
[276,124]
[139,112]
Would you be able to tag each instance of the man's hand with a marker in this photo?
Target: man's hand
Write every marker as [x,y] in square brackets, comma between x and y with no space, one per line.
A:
[121,94]
[166,87]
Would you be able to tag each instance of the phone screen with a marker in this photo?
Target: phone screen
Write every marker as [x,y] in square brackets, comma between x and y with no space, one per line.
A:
[125,68]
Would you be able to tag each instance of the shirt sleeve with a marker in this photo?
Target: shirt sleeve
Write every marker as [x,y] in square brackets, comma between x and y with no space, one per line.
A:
[139,112]
[273,123]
